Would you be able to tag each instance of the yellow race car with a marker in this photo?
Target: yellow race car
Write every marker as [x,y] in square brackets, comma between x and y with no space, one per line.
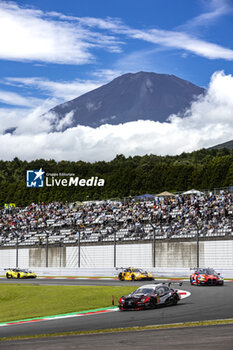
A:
[131,274]
[20,273]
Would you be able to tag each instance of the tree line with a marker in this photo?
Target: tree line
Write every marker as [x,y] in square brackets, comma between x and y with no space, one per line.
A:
[124,177]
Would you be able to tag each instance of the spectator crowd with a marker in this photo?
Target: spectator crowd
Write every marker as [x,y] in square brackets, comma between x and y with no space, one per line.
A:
[168,216]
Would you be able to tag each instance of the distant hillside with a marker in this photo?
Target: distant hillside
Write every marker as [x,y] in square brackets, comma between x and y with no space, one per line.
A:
[228,145]
[132,176]
[130,97]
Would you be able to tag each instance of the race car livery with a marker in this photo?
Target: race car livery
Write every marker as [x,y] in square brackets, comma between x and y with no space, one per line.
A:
[206,276]
[149,297]
[20,273]
[132,274]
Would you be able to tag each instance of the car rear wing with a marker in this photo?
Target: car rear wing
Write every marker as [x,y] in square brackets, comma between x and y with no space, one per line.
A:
[118,269]
[179,283]
[169,283]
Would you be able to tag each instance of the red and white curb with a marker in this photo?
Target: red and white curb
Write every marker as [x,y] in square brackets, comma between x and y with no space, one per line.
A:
[183,293]
[57,317]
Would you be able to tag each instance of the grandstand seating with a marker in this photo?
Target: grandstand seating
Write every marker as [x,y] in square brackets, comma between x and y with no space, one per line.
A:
[176,218]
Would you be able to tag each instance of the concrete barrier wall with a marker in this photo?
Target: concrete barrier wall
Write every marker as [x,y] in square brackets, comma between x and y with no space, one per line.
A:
[56,257]
[178,254]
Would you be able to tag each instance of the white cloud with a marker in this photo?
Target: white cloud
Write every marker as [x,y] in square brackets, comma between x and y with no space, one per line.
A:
[215,10]
[28,121]
[180,40]
[33,35]
[174,39]
[29,34]
[12,98]
[208,122]
[62,90]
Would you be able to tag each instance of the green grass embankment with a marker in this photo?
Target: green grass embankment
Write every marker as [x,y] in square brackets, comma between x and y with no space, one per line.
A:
[19,301]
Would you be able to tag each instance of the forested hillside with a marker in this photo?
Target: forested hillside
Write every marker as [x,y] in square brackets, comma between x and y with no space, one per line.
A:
[204,169]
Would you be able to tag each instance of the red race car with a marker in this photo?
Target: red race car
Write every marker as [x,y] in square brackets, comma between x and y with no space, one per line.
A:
[206,277]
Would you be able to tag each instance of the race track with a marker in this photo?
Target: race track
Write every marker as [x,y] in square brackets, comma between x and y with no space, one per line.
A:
[194,338]
[205,303]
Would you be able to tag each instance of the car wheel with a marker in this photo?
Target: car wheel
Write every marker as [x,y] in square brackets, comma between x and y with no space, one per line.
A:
[133,277]
[170,301]
[191,280]
[152,304]
[121,277]
[196,283]
[18,275]
[8,276]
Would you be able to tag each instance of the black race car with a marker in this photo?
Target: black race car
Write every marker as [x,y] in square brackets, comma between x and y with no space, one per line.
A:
[150,296]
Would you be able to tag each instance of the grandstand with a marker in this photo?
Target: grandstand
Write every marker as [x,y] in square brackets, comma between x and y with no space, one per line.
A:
[165,218]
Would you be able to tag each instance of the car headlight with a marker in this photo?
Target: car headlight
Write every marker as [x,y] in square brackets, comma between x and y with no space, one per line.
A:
[144,300]
[202,278]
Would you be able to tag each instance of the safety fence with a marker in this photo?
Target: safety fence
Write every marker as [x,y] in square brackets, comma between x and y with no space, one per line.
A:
[153,254]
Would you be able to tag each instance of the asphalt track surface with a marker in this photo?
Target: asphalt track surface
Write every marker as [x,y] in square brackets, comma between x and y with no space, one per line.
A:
[205,303]
[195,338]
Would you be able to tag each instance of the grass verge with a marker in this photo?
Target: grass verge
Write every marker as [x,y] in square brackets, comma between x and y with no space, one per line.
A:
[19,301]
[127,329]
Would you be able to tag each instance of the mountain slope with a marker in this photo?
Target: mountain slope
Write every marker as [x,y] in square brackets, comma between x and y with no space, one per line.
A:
[131,97]
[228,144]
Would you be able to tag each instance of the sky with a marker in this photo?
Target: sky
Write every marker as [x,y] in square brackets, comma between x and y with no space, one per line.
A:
[54,51]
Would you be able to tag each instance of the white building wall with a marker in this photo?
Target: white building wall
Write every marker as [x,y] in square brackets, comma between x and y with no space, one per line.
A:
[138,255]
[71,256]
[218,254]
[23,258]
[97,256]
[7,258]
[91,256]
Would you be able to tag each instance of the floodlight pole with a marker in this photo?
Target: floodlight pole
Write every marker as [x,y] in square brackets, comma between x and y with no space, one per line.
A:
[47,249]
[154,245]
[60,253]
[114,246]
[17,250]
[79,250]
[197,241]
